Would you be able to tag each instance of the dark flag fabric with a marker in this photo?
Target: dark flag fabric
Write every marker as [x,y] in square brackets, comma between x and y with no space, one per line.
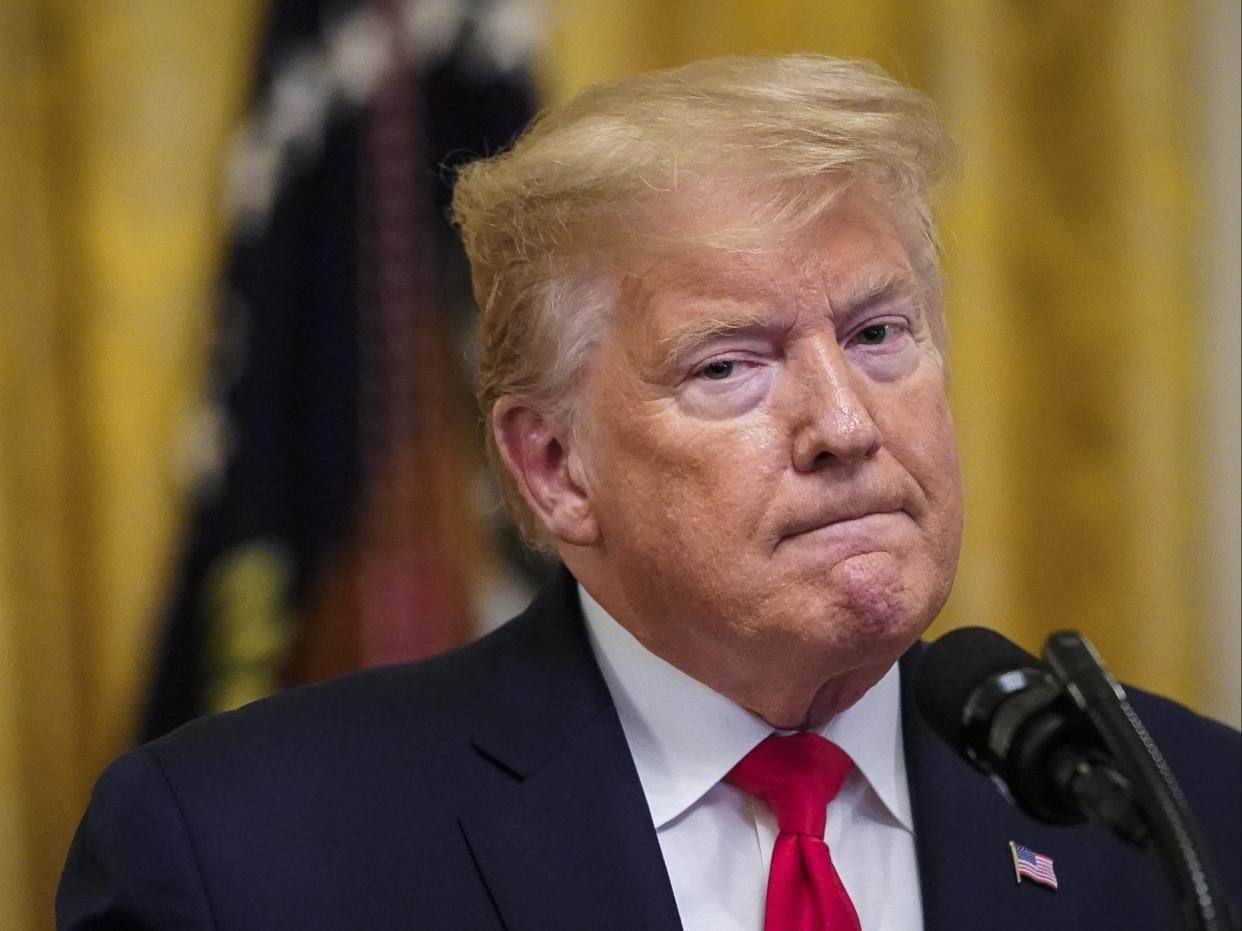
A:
[335,518]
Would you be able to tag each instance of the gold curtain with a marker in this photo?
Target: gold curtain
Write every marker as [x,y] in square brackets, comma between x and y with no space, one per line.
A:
[1072,304]
[114,117]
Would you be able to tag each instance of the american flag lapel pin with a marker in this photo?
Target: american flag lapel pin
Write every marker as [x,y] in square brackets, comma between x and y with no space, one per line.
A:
[1034,866]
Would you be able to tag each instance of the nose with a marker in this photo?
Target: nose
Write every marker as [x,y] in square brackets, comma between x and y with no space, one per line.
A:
[834,424]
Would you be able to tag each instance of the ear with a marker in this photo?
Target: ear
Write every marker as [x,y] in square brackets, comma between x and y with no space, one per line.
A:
[537,453]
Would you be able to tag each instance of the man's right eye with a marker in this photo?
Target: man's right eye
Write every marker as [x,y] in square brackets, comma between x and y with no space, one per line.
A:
[718,370]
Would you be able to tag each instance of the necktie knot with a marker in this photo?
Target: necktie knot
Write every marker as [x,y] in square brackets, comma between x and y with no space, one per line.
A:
[797,776]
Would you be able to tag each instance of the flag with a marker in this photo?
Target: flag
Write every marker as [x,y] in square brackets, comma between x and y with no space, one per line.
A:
[332,523]
[1034,866]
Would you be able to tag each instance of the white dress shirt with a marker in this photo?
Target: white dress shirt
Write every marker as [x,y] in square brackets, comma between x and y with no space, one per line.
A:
[717,841]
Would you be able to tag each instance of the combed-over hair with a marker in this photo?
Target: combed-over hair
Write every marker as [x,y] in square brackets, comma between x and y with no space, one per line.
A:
[586,194]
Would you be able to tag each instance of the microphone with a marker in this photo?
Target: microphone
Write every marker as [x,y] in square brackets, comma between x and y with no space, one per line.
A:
[1006,712]
[1063,742]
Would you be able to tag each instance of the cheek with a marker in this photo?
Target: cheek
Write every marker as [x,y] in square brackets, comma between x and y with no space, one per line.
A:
[699,484]
[730,471]
[918,424]
[939,452]
[919,432]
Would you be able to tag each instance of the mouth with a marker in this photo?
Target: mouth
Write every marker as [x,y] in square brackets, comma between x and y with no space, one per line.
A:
[860,518]
[851,535]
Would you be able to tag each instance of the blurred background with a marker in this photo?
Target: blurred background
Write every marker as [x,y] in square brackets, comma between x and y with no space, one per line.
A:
[237,448]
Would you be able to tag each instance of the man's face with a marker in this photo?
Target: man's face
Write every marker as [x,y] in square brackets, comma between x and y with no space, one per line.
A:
[771,459]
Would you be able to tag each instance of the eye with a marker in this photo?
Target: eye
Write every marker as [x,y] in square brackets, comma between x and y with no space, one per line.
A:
[874,334]
[718,370]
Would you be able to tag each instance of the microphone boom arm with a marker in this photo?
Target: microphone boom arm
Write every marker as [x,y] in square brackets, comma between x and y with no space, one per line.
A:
[1078,667]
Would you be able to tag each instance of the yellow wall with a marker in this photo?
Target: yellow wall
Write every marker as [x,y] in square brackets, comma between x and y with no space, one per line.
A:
[113,119]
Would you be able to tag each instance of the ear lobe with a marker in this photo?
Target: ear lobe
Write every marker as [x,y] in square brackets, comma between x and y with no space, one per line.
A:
[537,454]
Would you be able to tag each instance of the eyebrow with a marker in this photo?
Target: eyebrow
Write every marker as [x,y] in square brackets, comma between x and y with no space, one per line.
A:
[870,288]
[862,291]
[684,339]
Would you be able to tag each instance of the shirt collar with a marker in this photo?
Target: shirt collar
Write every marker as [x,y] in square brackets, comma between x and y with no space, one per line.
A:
[685,737]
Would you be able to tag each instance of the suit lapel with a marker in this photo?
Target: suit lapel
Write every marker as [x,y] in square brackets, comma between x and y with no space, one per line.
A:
[961,827]
[566,839]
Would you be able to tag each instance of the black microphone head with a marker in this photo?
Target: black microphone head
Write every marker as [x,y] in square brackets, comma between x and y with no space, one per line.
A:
[953,668]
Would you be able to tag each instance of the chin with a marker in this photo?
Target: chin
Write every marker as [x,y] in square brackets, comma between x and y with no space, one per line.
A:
[872,588]
[869,613]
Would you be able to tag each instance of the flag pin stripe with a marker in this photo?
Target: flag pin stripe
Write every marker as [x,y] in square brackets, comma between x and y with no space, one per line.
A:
[1034,866]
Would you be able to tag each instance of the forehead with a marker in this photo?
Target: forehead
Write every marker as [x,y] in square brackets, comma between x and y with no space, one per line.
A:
[855,251]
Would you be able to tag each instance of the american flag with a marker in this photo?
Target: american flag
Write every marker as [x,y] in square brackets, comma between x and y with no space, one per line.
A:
[1034,866]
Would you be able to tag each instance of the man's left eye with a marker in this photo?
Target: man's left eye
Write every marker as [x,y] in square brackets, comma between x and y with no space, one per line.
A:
[718,370]
[874,334]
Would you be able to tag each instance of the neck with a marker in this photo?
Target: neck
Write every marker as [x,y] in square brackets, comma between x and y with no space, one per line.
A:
[789,688]
[783,698]
[788,682]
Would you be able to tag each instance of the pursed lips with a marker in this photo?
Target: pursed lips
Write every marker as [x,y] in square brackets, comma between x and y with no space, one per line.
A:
[844,515]
[853,528]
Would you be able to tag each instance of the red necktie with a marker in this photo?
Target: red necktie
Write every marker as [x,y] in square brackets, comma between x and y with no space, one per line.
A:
[798,776]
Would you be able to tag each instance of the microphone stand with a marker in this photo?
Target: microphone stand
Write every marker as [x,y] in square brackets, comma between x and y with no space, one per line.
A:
[1149,781]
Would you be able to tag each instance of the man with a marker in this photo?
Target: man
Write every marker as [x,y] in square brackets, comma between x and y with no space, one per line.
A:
[712,365]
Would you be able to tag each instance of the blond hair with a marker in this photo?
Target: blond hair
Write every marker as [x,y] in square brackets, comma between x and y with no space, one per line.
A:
[553,224]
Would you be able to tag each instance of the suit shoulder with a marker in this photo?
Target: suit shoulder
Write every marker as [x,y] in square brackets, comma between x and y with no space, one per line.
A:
[399,705]
[1179,726]
[229,813]
[1206,759]
[1205,754]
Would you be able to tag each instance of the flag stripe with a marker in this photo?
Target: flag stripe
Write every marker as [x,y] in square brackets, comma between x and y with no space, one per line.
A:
[1034,866]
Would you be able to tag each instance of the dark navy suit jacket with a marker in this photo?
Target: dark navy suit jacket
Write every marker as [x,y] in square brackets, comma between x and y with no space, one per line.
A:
[493,788]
